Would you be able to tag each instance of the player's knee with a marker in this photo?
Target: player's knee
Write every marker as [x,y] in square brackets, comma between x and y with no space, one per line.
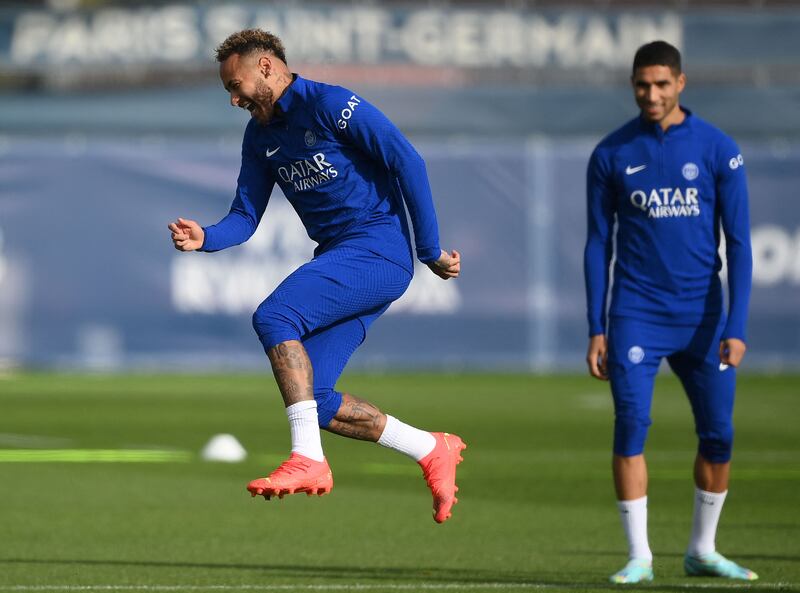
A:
[328,403]
[630,434]
[716,445]
[274,324]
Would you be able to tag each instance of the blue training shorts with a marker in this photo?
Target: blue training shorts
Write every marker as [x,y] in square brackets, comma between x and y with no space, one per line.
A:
[635,350]
[328,304]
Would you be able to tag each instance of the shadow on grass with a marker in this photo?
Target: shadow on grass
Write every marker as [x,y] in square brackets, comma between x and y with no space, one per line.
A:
[733,556]
[379,573]
[429,577]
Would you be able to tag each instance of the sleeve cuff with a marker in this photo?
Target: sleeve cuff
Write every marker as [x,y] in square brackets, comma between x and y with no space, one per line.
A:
[731,332]
[429,254]
[596,328]
[207,245]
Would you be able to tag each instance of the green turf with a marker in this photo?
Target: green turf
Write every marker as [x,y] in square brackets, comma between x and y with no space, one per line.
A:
[536,512]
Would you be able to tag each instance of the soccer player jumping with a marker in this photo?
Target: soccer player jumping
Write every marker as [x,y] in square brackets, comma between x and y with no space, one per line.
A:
[347,171]
[669,179]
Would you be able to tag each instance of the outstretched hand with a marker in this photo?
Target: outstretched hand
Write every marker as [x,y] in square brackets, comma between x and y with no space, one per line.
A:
[447,266]
[731,351]
[187,235]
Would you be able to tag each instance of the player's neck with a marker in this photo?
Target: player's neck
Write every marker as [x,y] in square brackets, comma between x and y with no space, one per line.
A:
[283,81]
[673,118]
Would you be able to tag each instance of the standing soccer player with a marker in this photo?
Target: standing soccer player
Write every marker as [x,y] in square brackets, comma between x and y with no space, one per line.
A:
[669,178]
[347,171]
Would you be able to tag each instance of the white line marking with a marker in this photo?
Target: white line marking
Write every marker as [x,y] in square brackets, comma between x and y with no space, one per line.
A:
[93,456]
[383,586]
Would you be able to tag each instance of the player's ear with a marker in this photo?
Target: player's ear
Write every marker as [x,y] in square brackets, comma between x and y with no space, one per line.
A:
[264,65]
[681,82]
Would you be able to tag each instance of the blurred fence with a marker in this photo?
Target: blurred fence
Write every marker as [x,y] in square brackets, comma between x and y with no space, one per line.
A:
[88,276]
[112,123]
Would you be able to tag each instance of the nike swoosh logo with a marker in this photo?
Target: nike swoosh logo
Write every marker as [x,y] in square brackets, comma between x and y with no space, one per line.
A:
[631,170]
[271,152]
[722,366]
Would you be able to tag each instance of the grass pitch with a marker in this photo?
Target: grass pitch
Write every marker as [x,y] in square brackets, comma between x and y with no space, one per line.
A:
[537,507]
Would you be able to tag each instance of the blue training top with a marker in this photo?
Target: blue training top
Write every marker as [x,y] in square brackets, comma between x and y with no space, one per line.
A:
[345,169]
[669,192]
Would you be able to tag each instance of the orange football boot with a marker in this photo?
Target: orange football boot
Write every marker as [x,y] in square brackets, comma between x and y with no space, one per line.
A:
[296,474]
[439,469]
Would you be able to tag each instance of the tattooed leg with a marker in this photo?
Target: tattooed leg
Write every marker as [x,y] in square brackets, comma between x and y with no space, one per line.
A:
[358,419]
[293,372]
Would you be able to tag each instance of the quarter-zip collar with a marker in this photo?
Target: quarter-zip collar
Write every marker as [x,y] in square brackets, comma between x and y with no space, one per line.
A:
[655,129]
[289,96]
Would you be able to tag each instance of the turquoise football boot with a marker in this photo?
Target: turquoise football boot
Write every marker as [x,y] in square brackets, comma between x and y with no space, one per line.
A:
[635,571]
[716,565]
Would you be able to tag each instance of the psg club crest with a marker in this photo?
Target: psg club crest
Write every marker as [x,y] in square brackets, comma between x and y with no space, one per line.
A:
[310,138]
[636,354]
[690,171]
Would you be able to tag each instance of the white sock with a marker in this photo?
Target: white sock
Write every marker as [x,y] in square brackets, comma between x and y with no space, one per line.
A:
[634,522]
[707,508]
[406,439]
[304,425]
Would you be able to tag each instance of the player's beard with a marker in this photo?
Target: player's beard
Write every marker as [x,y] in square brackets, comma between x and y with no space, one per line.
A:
[264,100]
[657,112]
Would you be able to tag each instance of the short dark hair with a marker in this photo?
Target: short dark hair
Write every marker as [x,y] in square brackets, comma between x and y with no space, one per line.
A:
[250,40]
[658,53]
